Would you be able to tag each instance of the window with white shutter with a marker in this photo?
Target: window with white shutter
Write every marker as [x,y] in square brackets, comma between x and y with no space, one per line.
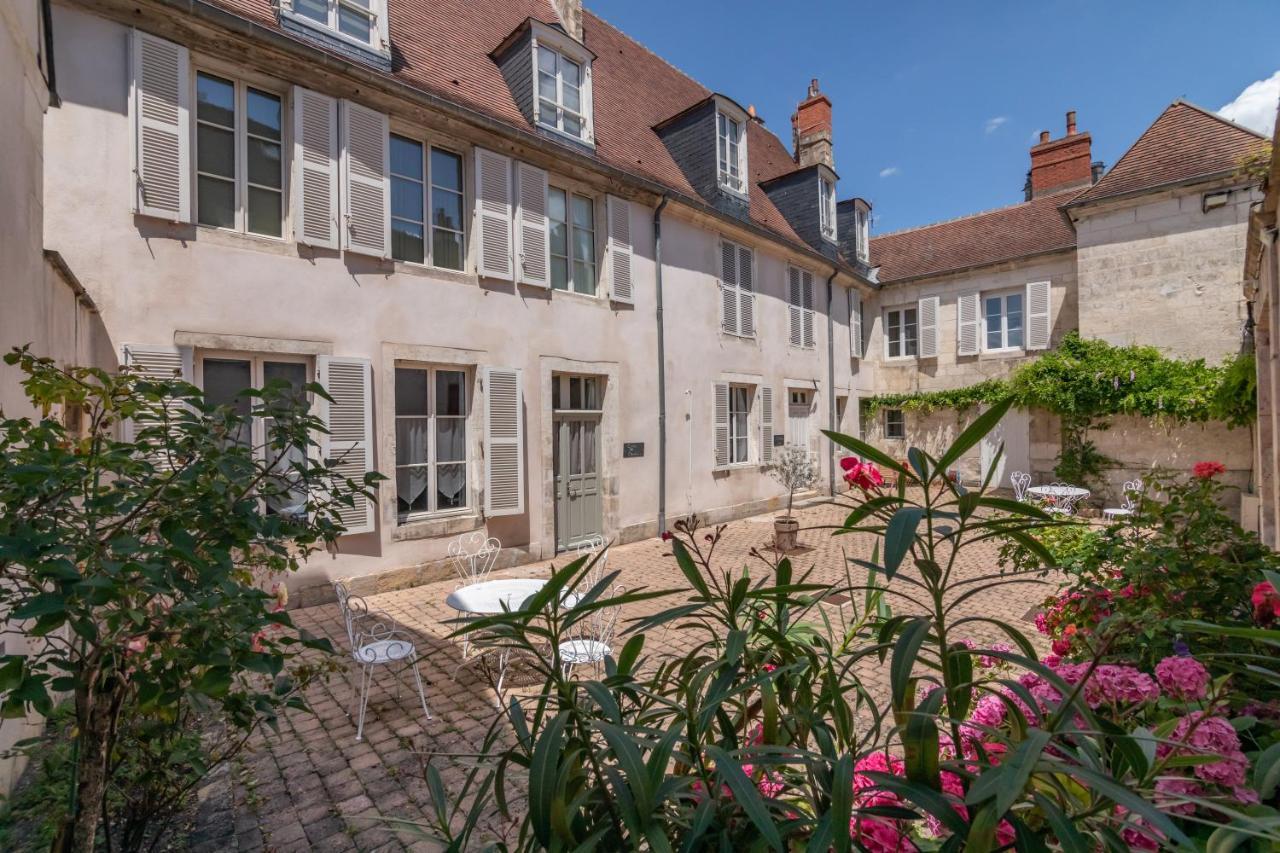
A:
[737,289]
[366,188]
[157,362]
[1003,321]
[493,215]
[855,324]
[532,249]
[800,307]
[928,308]
[504,442]
[766,424]
[315,169]
[901,333]
[720,415]
[160,101]
[967,324]
[1039,308]
[620,282]
[349,419]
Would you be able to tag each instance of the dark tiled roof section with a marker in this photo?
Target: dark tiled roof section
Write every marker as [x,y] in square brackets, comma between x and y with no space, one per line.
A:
[1186,142]
[1021,230]
[442,47]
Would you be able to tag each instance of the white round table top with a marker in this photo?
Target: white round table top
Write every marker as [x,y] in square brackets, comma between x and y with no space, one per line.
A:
[1059,491]
[494,596]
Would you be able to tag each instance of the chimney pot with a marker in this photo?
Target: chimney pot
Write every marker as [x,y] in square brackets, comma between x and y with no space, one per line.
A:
[1044,137]
[1071,123]
[813,87]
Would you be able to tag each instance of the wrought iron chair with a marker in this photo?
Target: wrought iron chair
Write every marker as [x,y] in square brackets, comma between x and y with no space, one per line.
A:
[376,640]
[473,556]
[1127,503]
[589,640]
[592,547]
[1021,480]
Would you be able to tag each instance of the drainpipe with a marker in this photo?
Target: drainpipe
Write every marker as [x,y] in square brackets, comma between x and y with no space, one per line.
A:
[662,369]
[831,377]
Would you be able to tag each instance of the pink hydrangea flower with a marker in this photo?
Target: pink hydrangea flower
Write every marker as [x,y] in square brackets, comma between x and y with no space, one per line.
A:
[877,762]
[1202,734]
[879,836]
[1113,684]
[988,662]
[1176,789]
[1183,677]
[1230,770]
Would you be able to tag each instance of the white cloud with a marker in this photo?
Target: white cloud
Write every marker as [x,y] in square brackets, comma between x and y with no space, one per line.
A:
[1255,107]
[889,171]
[994,124]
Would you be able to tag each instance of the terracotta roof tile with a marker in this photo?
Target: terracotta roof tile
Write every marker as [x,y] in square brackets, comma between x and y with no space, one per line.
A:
[1184,143]
[1030,228]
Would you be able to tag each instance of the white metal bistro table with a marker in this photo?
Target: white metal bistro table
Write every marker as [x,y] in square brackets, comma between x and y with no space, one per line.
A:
[488,598]
[1065,496]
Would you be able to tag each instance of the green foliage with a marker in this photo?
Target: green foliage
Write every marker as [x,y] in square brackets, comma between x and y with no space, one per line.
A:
[139,567]
[1235,403]
[925,402]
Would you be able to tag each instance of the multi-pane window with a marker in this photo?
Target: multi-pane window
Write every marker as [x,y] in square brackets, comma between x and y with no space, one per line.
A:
[901,332]
[225,380]
[862,220]
[1002,316]
[739,423]
[560,93]
[827,207]
[895,424]
[576,393]
[355,19]
[426,199]
[572,236]
[729,152]
[431,440]
[239,157]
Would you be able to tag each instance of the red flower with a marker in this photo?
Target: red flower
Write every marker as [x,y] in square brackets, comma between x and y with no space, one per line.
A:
[1208,470]
[1266,604]
[864,475]
[666,536]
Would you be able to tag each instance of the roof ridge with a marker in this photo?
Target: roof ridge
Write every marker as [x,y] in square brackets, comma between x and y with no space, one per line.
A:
[1219,117]
[974,215]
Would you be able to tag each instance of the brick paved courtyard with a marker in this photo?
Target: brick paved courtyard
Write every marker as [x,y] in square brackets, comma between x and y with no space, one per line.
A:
[311,786]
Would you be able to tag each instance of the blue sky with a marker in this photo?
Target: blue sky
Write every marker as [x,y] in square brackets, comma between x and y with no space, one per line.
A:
[937,103]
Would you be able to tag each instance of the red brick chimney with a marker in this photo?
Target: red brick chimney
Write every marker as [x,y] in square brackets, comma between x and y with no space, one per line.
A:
[1061,164]
[811,129]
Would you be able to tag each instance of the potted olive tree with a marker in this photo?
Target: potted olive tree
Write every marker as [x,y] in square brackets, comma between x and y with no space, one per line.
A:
[794,470]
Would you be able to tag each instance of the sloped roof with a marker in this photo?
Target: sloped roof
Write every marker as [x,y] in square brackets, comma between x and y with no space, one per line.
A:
[1186,142]
[442,47]
[1018,231]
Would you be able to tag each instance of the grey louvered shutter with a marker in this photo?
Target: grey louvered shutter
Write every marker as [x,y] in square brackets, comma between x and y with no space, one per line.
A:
[349,419]
[161,106]
[855,324]
[720,415]
[315,169]
[967,342]
[1038,317]
[504,440]
[793,306]
[157,362]
[729,287]
[927,317]
[766,424]
[746,292]
[620,283]
[806,307]
[366,188]
[533,247]
[493,215]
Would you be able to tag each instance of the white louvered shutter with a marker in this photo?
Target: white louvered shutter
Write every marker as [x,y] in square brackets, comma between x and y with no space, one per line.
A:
[504,438]
[746,293]
[161,106]
[157,362]
[366,184]
[315,169]
[855,324]
[729,287]
[349,419]
[967,332]
[720,415]
[806,307]
[1038,315]
[793,306]
[766,424]
[493,214]
[620,283]
[533,250]
[927,315]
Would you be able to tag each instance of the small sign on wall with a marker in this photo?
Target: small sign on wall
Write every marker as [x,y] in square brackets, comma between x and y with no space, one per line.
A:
[632,449]
[779,439]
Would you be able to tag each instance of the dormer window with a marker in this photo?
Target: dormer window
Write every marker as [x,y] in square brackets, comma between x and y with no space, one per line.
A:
[862,227]
[560,98]
[360,22]
[731,152]
[827,207]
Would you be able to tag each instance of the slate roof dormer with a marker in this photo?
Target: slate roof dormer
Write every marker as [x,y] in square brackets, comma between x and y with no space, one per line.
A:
[708,142]
[549,74]
[853,217]
[799,197]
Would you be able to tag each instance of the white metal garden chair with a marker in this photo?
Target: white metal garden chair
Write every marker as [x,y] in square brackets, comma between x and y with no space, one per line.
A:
[1021,480]
[593,547]
[589,640]
[376,640]
[1128,504]
[473,556]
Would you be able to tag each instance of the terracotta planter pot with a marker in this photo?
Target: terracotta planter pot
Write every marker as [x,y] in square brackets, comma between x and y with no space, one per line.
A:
[786,532]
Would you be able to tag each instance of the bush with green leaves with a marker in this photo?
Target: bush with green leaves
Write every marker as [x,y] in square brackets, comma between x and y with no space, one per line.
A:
[136,570]
[760,733]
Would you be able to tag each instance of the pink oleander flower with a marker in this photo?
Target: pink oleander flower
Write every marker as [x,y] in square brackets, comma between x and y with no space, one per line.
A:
[1207,470]
[1266,604]
[864,475]
[1183,677]
[281,594]
[135,645]
[666,536]
[255,642]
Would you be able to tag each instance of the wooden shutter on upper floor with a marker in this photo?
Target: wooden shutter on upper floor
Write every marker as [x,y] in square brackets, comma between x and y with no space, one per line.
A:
[729,287]
[315,169]
[366,187]
[766,423]
[348,446]
[1038,316]
[504,442]
[157,362]
[746,292]
[967,332]
[160,100]
[493,215]
[855,324]
[806,308]
[720,416]
[795,323]
[533,249]
[620,250]
[927,330]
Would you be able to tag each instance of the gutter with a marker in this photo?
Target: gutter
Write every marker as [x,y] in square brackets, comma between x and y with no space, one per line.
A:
[662,368]
[50,73]
[1082,203]
[831,377]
